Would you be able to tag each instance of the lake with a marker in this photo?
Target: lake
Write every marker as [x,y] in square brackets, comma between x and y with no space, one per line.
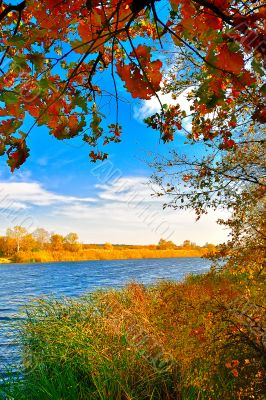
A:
[19,283]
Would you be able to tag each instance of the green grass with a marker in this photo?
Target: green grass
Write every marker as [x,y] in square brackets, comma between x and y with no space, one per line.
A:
[170,341]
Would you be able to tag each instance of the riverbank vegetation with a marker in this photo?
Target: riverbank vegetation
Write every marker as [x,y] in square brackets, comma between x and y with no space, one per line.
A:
[203,339]
[20,246]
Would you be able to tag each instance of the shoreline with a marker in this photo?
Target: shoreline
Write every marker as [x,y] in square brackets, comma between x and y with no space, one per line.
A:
[174,324]
[5,261]
[104,256]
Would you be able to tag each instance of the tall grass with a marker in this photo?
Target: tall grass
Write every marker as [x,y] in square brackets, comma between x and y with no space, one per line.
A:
[169,341]
[103,254]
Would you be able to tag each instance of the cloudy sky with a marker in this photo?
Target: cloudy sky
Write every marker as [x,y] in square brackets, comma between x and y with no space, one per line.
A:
[60,190]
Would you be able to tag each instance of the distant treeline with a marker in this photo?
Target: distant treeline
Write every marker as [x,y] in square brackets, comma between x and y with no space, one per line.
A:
[18,245]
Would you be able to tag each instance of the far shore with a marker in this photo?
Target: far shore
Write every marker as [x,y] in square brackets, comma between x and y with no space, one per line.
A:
[5,261]
[99,254]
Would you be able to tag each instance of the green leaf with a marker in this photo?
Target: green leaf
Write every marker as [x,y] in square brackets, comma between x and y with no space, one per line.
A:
[257,67]
[9,98]
[234,47]
[37,60]
[17,41]
[79,47]
[81,102]
[212,101]
[44,120]
[20,61]
[45,83]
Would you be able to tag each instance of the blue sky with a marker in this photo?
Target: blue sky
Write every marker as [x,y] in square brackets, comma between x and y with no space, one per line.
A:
[59,189]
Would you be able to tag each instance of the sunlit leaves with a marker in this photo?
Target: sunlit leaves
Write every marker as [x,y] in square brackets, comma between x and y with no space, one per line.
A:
[229,60]
[143,77]
[53,54]
[17,153]
[167,122]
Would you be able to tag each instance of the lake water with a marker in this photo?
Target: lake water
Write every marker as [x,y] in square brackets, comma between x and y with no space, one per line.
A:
[19,283]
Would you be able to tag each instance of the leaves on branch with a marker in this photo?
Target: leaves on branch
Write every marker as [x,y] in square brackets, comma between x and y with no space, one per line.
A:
[52,53]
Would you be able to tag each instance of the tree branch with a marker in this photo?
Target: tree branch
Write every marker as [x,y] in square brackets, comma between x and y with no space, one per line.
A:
[19,7]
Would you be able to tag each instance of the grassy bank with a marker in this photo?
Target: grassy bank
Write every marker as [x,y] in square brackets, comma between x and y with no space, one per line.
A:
[103,254]
[4,260]
[187,341]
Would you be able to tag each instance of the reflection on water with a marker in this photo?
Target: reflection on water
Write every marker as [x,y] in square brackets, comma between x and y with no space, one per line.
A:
[21,283]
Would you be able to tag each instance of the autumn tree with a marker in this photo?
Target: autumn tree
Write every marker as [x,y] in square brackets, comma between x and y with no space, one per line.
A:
[8,245]
[245,252]
[71,238]
[232,180]
[227,175]
[187,244]
[71,242]
[41,236]
[18,233]
[53,54]
[210,247]
[28,242]
[166,244]
[56,242]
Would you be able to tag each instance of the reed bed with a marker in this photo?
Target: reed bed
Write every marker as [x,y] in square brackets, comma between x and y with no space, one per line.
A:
[186,341]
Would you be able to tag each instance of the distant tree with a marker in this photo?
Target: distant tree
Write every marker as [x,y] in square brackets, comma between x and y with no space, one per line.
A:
[71,238]
[108,246]
[2,245]
[28,243]
[71,242]
[7,246]
[166,244]
[57,242]
[17,233]
[187,243]
[41,236]
[211,247]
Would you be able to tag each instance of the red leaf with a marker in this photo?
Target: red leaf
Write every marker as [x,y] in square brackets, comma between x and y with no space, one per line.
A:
[144,80]
[229,60]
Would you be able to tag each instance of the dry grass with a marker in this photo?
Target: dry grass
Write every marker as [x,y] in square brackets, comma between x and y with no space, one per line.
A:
[103,254]
[186,341]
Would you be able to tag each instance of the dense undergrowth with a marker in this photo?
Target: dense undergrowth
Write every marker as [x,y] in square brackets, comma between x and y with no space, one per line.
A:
[203,338]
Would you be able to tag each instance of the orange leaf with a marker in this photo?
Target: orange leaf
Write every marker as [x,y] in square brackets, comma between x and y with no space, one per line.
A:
[141,82]
[229,60]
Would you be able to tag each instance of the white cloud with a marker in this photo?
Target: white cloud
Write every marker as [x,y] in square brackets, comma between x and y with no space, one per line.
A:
[121,212]
[126,213]
[33,194]
[149,107]
[127,190]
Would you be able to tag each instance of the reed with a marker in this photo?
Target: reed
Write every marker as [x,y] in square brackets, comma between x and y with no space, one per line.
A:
[169,341]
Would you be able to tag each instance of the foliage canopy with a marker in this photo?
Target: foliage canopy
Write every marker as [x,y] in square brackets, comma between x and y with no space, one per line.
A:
[51,52]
